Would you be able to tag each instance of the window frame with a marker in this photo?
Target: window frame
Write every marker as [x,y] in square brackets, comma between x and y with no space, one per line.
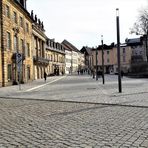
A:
[7,11]
[9,72]
[21,22]
[15,17]
[28,50]
[27,27]
[8,40]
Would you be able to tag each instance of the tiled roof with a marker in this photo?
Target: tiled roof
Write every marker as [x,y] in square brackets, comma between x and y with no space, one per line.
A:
[86,49]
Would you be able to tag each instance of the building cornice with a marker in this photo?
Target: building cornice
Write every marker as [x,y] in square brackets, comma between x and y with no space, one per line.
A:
[19,7]
[38,33]
[55,50]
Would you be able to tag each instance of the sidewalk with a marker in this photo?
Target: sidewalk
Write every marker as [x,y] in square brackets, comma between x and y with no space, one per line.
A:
[10,90]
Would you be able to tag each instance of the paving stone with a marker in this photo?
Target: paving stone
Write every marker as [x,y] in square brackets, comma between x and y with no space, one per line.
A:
[43,123]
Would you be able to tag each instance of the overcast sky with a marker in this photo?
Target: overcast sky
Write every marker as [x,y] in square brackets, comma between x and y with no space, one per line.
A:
[82,22]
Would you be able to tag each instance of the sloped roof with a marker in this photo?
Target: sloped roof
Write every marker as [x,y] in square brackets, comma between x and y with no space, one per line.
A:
[106,47]
[70,46]
[134,42]
[65,47]
[86,49]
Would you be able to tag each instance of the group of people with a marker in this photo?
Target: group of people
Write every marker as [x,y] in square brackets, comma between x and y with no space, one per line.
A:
[81,71]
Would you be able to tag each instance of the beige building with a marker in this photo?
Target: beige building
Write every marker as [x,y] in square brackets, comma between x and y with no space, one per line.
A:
[40,61]
[81,61]
[0,44]
[125,58]
[16,45]
[55,53]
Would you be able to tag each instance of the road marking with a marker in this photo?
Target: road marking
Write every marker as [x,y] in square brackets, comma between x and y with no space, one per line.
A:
[28,90]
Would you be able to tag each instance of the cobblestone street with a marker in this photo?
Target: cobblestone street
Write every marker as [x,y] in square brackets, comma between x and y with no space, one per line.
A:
[60,125]
[38,119]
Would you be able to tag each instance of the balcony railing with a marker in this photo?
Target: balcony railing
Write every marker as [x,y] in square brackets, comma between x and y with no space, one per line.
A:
[40,60]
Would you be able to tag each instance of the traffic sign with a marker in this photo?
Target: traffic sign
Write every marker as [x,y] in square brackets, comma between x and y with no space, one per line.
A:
[19,61]
[18,58]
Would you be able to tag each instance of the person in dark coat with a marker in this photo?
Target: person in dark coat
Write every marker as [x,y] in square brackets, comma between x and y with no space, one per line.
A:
[45,76]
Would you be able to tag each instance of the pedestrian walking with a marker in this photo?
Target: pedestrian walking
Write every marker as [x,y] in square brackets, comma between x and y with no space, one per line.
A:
[45,76]
[78,72]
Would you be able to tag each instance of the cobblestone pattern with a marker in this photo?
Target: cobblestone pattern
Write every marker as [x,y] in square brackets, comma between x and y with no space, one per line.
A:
[45,124]
[85,89]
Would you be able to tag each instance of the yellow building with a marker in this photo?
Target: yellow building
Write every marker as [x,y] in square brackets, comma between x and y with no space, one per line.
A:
[55,52]
[40,61]
[16,45]
[0,43]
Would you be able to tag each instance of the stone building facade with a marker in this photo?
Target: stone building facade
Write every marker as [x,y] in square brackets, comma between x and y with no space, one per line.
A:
[1,19]
[40,61]
[25,50]
[16,35]
[55,53]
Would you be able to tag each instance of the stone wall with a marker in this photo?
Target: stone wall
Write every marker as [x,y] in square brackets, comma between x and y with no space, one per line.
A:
[9,26]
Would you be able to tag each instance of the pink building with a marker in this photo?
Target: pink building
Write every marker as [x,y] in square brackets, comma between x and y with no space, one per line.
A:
[110,58]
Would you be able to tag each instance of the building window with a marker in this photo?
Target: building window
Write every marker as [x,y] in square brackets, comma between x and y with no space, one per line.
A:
[57,58]
[123,50]
[15,17]
[28,72]
[7,11]
[27,27]
[22,45]
[28,50]
[8,40]
[15,43]
[108,52]
[9,72]
[124,59]
[21,21]
[107,60]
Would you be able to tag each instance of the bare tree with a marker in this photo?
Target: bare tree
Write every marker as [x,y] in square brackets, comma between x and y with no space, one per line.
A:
[141,26]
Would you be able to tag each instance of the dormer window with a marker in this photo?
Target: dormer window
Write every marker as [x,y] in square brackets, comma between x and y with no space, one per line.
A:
[22,2]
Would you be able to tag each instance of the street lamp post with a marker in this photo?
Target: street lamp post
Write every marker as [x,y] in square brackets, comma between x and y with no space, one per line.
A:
[146,44]
[118,51]
[18,58]
[96,64]
[103,80]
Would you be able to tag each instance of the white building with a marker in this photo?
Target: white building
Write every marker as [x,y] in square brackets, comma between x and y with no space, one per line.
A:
[72,58]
